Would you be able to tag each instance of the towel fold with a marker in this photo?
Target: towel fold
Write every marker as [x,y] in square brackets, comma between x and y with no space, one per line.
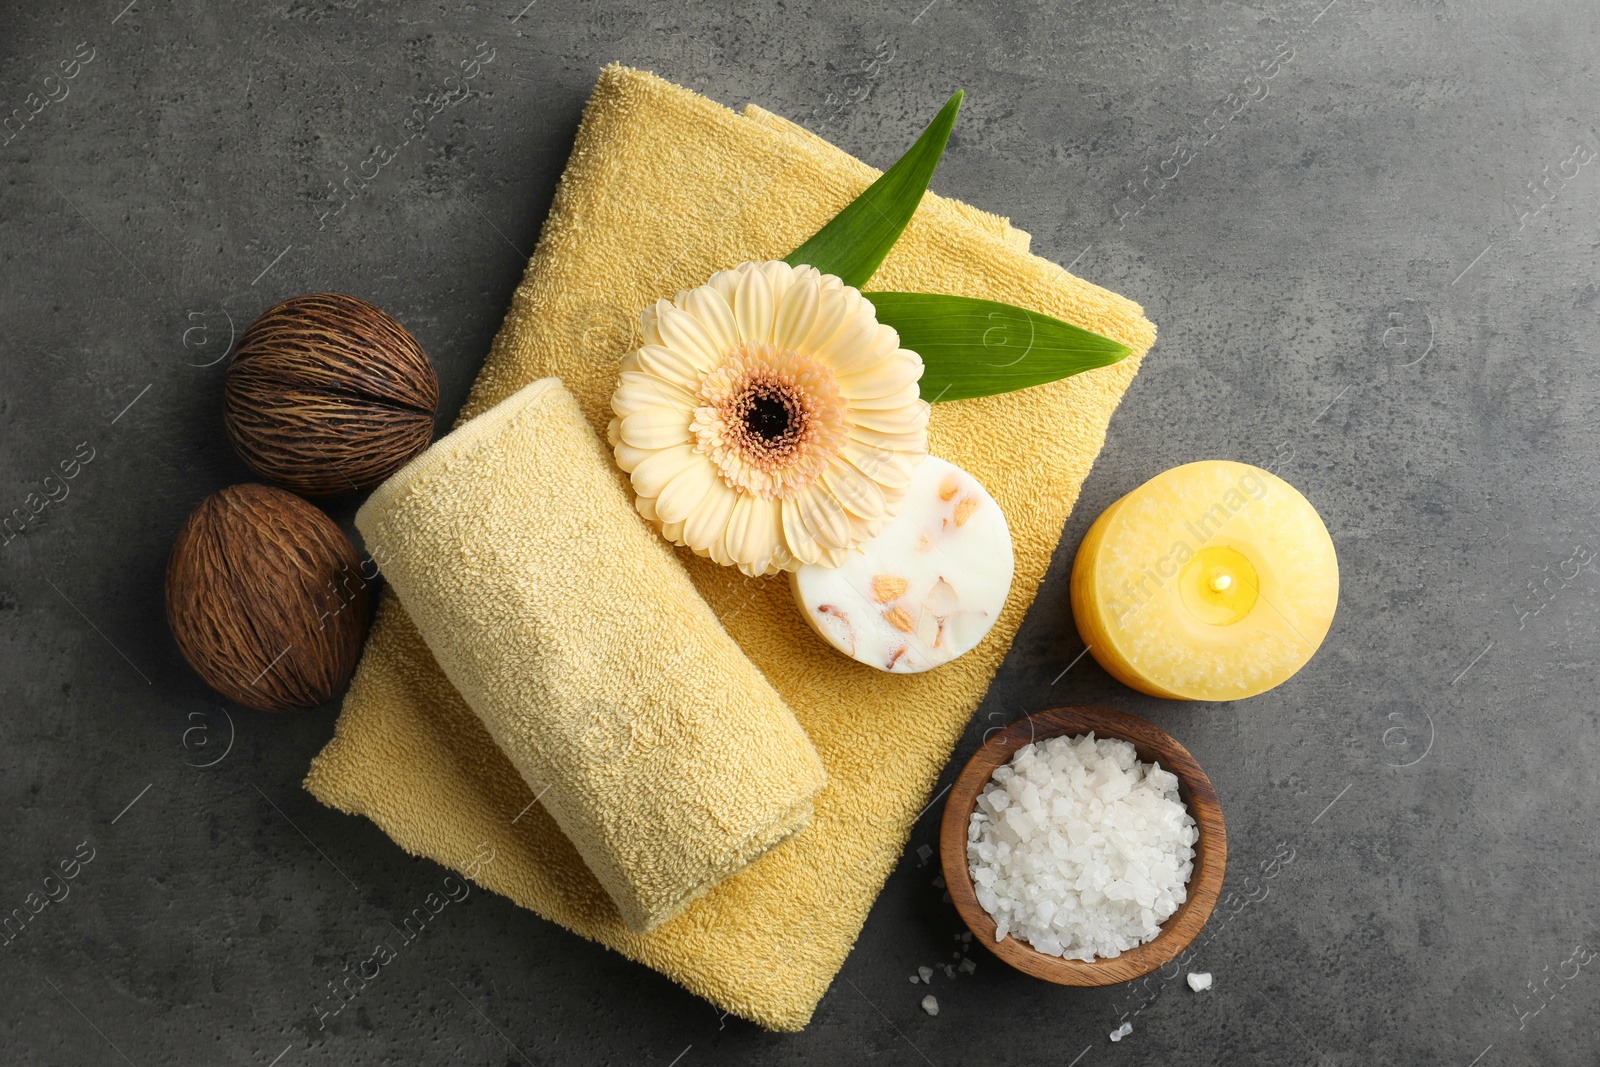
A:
[664,188]
[574,633]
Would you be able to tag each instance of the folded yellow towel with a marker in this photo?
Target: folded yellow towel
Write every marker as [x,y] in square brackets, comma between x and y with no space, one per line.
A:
[663,188]
[572,630]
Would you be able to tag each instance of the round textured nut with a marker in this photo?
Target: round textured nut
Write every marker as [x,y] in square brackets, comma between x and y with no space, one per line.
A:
[327,394]
[266,598]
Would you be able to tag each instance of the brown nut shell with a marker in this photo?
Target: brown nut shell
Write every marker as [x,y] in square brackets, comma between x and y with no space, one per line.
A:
[266,598]
[327,394]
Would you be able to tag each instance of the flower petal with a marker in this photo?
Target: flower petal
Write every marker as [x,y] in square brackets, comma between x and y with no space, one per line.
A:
[638,375]
[705,525]
[903,398]
[715,314]
[629,457]
[854,302]
[830,557]
[882,345]
[648,331]
[888,374]
[797,313]
[639,391]
[780,276]
[914,442]
[830,315]
[754,532]
[684,334]
[651,475]
[860,495]
[888,467]
[753,307]
[864,530]
[909,419]
[825,518]
[856,335]
[678,499]
[669,365]
[655,427]
[726,282]
[801,545]
[737,536]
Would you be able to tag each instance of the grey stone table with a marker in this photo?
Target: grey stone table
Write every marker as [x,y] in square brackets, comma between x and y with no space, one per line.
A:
[1367,233]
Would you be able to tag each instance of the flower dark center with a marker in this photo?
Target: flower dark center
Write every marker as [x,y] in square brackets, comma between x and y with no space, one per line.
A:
[768,417]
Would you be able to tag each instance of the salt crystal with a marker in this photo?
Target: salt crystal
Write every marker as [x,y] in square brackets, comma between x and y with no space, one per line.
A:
[967,966]
[926,973]
[1079,849]
[1199,981]
[1116,1035]
[924,853]
[930,1004]
[915,979]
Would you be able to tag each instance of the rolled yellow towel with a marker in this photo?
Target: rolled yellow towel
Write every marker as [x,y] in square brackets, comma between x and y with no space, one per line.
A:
[574,633]
[664,188]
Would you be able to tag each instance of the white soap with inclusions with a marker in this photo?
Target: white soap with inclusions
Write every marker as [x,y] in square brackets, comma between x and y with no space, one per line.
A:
[927,588]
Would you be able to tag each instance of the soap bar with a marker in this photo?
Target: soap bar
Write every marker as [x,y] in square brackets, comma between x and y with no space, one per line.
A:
[927,588]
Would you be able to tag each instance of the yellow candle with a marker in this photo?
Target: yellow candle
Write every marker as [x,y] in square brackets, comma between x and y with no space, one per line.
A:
[1212,581]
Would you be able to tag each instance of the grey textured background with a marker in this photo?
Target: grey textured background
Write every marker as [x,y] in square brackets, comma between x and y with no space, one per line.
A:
[1377,279]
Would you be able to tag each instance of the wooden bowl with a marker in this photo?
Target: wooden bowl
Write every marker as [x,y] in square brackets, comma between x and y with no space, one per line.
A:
[1153,744]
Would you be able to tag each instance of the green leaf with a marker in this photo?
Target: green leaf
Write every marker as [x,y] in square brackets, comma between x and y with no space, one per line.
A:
[972,347]
[855,240]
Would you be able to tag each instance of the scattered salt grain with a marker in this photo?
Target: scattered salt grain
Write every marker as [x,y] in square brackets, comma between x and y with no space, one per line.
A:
[926,973]
[1199,981]
[924,853]
[966,966]
[1079,849]
[930,1005]
[1122,1031]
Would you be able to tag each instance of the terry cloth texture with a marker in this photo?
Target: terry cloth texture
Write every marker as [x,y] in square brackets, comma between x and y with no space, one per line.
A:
[572,630]
[663,189]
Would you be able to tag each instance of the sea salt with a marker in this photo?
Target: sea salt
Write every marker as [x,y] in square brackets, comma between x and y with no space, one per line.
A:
[1199,981]
[926,973]
[1079,849]
[930,1005]
[1121,1032]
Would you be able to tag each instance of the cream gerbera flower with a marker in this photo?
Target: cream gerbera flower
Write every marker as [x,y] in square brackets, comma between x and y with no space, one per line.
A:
[769,420]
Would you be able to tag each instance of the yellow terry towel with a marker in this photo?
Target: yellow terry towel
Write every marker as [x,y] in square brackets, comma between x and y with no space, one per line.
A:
[574,633]
[664,188]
